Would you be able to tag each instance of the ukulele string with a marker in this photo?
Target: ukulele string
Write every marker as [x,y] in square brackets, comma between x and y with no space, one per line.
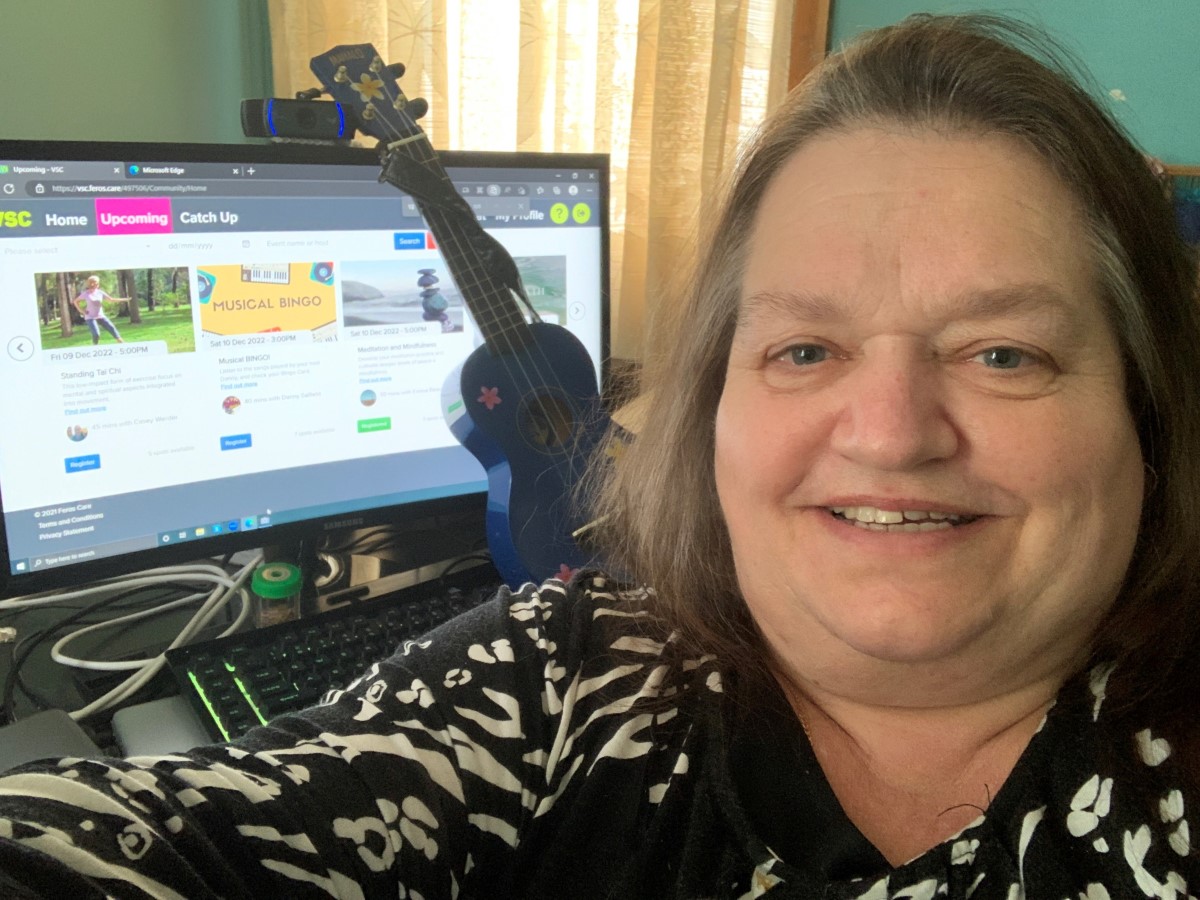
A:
[479,276]
[511,361]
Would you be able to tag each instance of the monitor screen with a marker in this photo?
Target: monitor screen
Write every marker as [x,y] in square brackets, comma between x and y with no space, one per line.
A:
[215,347]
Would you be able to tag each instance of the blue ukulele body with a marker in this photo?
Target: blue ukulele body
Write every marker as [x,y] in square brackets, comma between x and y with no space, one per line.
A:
[535,441]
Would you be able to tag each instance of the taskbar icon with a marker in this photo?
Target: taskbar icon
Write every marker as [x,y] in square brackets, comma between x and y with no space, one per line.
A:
[214,529]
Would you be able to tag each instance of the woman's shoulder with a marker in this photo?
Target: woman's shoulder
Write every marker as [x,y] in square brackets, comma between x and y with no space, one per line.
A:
[556,631]
[547,686]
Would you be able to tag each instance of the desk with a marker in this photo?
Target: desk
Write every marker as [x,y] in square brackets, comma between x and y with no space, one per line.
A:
[418,554]
[60,685]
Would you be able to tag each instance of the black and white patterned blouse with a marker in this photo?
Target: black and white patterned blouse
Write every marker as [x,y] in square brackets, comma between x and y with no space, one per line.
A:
[549,745]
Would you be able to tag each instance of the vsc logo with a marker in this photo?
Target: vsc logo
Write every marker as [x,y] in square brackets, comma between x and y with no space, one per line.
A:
[15,219]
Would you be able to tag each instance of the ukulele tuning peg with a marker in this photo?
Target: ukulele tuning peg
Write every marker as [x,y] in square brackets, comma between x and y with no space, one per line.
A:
[376,65]
[340,75]
[417,107]
[396,70]
[310,94]
[367,113]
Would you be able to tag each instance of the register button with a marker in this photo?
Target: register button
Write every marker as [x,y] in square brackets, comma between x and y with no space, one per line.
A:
[83,463]
[235,441]
[383,423]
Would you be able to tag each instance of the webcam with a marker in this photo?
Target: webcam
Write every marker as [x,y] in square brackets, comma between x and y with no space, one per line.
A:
[312,120]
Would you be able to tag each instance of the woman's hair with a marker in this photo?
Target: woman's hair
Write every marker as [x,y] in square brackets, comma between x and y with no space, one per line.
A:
[91,278]
[972,75]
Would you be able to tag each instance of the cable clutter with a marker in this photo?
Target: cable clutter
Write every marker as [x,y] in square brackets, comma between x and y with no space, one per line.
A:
[342,570]
[206,583]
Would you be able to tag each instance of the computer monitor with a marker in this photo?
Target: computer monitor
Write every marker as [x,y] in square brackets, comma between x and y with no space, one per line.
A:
[263,361]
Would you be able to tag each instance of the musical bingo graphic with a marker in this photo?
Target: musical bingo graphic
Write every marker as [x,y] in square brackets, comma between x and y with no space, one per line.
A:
[246,298]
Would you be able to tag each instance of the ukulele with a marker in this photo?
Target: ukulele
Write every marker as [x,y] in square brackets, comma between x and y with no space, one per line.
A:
[525,403]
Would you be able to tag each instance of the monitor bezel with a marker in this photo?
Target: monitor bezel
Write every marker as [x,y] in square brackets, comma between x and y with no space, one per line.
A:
[293,533]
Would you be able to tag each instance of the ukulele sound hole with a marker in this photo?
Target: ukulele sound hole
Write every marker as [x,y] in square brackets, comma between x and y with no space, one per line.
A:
[546,421]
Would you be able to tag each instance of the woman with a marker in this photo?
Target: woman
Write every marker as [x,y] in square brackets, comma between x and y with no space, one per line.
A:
[91,306]
[913,492]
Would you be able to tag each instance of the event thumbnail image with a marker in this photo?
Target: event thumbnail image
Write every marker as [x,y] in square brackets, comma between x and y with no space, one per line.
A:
[99,306]
[545,280]
[395,292]
[251,298]
[400,292]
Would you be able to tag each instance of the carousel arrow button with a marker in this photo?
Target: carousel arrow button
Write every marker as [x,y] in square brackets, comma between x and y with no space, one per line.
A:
[20,348]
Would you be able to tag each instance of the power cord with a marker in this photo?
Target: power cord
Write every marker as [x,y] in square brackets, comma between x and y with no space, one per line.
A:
[226,587]
[457,563]
[374,538]
[24,648]
[148,577]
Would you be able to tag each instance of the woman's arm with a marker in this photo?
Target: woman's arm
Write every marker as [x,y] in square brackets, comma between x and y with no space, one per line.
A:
[431,760]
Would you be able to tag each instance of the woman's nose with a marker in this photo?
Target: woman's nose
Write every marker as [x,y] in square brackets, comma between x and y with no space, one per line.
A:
[892,413]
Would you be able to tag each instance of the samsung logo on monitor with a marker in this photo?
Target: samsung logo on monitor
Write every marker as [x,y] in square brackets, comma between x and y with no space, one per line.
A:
[343,523]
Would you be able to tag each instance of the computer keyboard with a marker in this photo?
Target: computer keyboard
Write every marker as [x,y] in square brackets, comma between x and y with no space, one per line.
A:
[238,682]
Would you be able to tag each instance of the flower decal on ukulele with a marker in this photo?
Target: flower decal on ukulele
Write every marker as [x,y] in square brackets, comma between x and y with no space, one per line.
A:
[368,87]
[489,397]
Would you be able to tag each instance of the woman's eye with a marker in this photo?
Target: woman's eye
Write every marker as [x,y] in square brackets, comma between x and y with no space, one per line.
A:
[1003,358]
[806,354]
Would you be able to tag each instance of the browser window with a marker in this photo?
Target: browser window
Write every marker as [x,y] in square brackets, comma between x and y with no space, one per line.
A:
[264,343]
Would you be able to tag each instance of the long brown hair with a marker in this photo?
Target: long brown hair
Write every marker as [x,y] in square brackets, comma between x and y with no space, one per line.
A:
[983,75]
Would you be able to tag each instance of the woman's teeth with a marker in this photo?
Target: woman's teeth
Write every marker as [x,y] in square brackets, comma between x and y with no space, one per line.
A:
[874,519]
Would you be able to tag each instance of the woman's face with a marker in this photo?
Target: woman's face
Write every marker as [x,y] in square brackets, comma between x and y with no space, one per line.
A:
[923,451]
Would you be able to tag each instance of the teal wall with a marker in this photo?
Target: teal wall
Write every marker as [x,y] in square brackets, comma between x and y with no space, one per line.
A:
[124,70]
[1148,50]
[178,69]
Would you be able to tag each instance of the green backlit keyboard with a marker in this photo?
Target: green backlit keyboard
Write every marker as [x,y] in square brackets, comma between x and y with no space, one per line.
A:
[243,680]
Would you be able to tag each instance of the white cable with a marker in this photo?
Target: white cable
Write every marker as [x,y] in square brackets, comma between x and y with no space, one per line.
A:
[147,578]
[58,656]
[147,669]
[133,683]
[218,577]
[151,667]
